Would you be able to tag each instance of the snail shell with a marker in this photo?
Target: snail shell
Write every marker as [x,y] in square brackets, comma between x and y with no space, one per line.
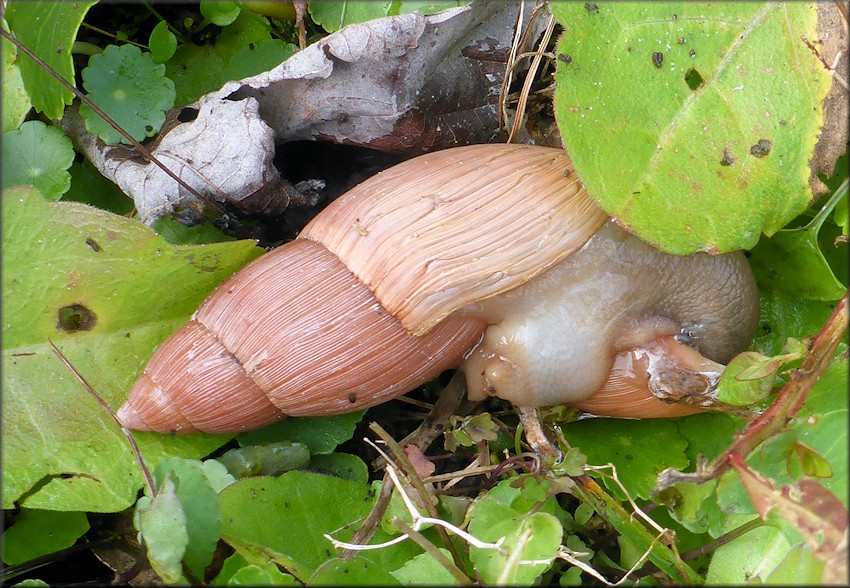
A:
[428,265]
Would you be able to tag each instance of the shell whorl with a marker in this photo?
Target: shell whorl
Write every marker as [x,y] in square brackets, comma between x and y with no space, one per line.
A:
[240,363]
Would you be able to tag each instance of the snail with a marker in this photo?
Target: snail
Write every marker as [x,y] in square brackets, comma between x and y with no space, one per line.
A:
[488,258]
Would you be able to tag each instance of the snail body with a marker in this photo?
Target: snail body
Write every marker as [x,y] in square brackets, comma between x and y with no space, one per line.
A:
[488,257]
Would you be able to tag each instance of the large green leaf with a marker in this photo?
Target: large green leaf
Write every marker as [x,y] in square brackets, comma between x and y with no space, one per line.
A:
[691,123]
[49,30]
[286,518]
[107,291]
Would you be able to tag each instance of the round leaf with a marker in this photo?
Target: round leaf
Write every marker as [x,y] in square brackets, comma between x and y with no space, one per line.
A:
[39,156]
[162,43]
[131,89]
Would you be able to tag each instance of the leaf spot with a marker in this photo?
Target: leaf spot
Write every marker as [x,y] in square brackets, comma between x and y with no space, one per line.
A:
[74,318]
[762,148]
[658,59]
[693,79]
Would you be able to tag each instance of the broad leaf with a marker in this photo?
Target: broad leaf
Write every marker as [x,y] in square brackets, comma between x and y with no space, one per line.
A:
[107,291]
[692,124]
[49,30]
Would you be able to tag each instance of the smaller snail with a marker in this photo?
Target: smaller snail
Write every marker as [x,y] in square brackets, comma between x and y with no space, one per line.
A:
[490,258]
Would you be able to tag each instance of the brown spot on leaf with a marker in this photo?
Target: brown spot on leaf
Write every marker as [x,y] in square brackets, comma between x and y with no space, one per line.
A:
[727,158]
[658,58]
[762,148]
[75,318]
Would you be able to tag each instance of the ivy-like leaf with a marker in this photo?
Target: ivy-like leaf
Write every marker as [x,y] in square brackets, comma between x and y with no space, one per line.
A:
[130,88]
[692,166]
[48,29]
[38,155]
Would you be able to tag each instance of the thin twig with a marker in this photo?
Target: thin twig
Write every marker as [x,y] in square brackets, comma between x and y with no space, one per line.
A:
[529,80]
[85,100]
[145,471]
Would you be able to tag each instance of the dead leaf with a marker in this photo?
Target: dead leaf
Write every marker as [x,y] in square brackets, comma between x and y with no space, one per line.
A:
[405,84]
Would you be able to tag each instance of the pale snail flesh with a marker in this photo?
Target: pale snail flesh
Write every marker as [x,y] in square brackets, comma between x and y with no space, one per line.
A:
[491,258]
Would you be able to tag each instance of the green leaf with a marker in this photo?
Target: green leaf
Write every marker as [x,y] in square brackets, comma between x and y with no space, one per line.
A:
[271,459]
[176,232]
[784,315]
[132,89]
[39,156]
[287,517]
[220,13]
[332,16]
[320,434]
[162,43]
[16,101]
[200,507]
[344,465]
[747,379]
[162,525]
[257,58]
[793,259]
[689,166]
[61,450]
[198,70]
[41,532]
[639,450]
[428,6]
[236,571]
[90,187]
[48,29]
[352,572]
[425,568]
[527,536]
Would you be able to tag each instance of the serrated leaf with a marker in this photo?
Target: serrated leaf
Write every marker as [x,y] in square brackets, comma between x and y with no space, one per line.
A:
[38,155]
[48,29]
[60,450]
[162,43]
[200,506]
[706,166]
[132,89]
[162,525]
[16,101]
[265,513]
[41,532]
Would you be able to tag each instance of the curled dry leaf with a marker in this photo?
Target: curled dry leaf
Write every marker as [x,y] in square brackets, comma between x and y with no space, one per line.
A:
[404,84]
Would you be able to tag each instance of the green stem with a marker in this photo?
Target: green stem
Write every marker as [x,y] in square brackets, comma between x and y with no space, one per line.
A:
[833,201]
[84,48]
[668,562]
